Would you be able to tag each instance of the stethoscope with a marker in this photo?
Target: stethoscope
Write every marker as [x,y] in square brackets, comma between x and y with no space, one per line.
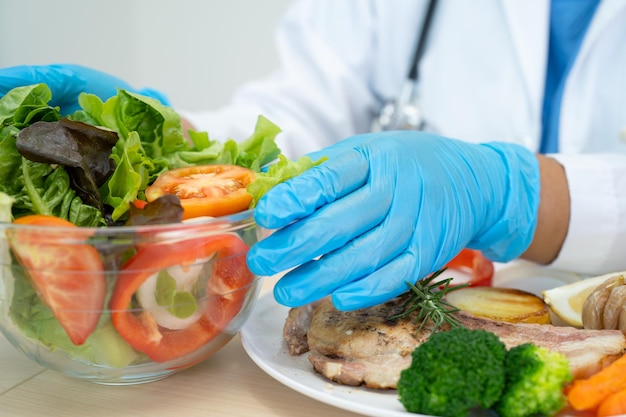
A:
[403,112]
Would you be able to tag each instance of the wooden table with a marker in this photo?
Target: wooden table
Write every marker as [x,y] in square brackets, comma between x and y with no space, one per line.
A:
[227,384]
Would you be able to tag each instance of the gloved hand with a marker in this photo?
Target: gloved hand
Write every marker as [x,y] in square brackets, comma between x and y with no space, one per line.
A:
[67,81]
[388,208]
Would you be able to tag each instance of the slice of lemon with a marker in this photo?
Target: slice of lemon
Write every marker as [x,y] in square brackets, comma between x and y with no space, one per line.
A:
[566,301]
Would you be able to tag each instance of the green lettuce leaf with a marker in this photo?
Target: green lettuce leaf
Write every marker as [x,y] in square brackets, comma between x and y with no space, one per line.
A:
[130,178]
[279,172]
[23,106]
[35,187]
[46,190]
[152,141]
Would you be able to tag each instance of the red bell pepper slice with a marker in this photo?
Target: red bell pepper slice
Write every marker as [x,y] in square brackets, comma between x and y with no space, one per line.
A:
[230,273]
[472,261]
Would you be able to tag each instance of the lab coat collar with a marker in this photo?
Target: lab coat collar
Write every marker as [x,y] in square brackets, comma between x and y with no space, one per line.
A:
[529,25]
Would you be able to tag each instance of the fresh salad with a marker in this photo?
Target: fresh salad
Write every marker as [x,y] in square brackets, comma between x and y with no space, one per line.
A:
[124,162]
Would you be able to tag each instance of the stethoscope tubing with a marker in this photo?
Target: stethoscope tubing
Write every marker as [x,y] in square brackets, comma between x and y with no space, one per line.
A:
[403,113]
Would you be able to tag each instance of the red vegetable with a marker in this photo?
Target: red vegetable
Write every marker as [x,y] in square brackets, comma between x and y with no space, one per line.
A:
[225,289]
[205,190]
[140,204]
[474,263]
[69,277]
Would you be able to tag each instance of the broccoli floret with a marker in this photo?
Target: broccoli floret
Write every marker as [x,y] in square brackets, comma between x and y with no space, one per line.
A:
[535,378]
[453,372]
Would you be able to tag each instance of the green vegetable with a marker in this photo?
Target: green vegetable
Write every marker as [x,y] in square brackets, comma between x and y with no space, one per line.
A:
[23,106]
[151,141]
[453,372]
[83,150]
[36,188]
[428,299]
[459,370]
[6,202]
[279,172]
[535,378]
[181,304]
[6,284]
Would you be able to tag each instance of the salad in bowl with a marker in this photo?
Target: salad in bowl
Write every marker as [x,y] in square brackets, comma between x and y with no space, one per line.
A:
[123,239]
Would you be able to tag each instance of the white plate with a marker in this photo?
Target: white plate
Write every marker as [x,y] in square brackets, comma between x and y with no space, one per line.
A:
[262,339]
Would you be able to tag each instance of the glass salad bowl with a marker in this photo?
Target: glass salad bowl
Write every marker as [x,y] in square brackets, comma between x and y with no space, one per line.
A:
[126,305]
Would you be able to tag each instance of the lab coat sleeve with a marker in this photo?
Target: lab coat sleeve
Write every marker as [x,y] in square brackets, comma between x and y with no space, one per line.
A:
[595,243]
[320,92]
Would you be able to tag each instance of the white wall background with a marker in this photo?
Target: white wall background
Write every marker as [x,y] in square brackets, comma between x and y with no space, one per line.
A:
[195,51]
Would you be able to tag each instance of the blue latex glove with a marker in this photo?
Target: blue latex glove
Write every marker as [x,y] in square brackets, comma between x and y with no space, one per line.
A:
[67,81]
[388,208]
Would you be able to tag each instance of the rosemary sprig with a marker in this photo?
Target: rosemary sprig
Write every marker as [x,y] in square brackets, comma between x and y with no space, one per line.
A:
[427,297]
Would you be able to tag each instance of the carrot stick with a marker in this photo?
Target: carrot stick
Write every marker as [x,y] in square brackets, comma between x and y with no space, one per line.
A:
[586,394]
[613,405]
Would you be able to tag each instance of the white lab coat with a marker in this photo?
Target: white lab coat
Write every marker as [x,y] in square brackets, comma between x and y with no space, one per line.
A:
[482,79]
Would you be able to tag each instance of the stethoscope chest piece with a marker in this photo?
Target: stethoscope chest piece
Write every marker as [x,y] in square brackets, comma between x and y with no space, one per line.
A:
[403,113]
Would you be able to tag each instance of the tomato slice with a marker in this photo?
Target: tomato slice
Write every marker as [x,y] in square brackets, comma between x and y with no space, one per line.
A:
[479,268]
[205,190]
[140,204]
[68,277]
[225,293]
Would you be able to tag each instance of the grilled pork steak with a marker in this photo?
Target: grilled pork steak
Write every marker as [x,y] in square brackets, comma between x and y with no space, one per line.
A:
[365,347]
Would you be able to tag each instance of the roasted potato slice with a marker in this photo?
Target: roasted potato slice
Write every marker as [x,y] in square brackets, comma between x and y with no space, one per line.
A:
[502,304]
